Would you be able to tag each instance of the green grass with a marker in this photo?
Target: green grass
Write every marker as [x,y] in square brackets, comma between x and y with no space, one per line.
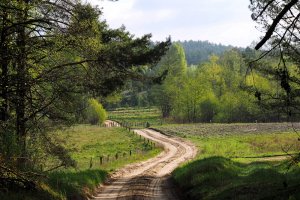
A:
[137,117]
[87,144]
[222,169]
[73,184]
[235,140]
[221,178]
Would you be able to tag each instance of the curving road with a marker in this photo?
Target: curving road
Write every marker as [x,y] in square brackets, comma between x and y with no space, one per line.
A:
[150,179]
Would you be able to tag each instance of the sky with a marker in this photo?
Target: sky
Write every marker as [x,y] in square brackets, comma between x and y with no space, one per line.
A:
[219,21]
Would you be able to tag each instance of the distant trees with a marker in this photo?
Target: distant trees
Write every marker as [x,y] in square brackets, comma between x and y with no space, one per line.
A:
[199,51]
[215,91]
[222,89]
[174,66]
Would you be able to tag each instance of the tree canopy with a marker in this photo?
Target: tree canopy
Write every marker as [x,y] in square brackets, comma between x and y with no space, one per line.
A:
[54,56]
[279,19]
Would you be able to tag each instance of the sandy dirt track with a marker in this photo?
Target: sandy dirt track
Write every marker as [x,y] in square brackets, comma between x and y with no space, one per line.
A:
[150,179]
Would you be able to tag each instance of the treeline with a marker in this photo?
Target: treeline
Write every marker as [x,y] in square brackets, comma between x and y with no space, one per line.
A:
[197,52]
[223,89]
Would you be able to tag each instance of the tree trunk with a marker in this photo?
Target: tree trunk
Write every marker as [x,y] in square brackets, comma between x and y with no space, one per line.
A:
[21,88]
[4,60]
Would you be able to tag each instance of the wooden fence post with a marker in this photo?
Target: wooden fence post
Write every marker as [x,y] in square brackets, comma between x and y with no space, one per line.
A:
[91,162]
[101,160]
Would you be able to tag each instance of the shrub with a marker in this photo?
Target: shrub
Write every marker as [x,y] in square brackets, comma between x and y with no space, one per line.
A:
[95,113]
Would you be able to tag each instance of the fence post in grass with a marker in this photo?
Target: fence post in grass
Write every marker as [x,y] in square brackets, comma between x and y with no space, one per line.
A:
[147,125]
[116,156]
[130,152]
[91,162]
[101,160]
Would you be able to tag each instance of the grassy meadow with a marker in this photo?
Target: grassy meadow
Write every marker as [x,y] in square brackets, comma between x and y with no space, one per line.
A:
[239,161]
[89,143]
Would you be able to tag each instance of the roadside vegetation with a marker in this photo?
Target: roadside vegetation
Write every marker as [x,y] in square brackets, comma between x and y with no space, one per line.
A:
[239,161]
[86,144]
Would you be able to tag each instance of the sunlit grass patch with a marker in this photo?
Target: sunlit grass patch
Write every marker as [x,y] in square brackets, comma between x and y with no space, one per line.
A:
[217,140]
[87,144]
[137,117]
[236,161]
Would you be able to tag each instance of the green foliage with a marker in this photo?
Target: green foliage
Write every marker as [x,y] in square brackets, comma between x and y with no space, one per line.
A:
[95,113]
[54,55]
[174,64]
[218,90]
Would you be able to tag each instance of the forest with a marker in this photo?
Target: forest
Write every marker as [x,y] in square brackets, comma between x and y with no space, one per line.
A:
[220,89]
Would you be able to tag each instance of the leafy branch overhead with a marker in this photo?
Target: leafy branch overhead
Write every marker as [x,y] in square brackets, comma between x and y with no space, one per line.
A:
[279,19]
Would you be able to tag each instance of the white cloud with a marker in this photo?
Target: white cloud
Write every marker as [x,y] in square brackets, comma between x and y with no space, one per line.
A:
[220,21]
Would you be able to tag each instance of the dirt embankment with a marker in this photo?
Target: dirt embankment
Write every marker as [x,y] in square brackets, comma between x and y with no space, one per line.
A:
[150,179]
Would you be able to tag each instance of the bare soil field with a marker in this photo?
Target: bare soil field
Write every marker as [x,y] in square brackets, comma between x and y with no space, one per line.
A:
[215,129]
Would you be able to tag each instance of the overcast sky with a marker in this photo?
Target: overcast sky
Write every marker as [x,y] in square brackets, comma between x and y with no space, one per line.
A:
[218,21]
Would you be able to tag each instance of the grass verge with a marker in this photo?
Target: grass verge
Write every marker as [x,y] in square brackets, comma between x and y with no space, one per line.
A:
[222,178]
[223,170]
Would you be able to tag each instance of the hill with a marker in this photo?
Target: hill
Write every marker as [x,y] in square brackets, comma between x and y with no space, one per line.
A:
[199,51]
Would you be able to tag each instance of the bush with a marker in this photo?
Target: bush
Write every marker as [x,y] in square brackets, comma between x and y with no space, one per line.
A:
[95,114]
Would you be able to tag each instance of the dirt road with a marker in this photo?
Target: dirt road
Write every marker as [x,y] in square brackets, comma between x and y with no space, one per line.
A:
[150,179]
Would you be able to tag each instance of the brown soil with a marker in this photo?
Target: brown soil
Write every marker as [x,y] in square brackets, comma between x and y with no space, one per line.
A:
[150,179]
